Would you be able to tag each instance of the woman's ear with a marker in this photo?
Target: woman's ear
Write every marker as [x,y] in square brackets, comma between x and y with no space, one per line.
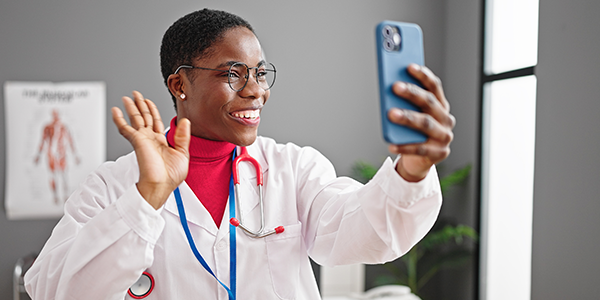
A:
[175,85]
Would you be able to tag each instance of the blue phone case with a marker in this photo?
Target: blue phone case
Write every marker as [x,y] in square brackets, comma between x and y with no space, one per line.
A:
[393,57]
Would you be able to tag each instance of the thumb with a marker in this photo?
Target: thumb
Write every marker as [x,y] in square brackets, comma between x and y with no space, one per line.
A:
[182,135]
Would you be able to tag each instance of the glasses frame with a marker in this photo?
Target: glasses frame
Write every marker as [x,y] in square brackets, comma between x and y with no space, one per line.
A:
[274,70]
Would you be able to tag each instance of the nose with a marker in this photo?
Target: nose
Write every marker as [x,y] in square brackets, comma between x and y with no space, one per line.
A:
[252,88]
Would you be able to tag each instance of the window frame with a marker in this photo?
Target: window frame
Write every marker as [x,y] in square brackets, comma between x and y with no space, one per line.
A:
[484,79]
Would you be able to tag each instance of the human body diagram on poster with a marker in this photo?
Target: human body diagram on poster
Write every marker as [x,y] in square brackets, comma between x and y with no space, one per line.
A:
[58,143]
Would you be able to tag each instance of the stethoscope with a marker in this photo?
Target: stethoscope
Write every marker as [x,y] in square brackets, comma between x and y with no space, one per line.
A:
[234,183]
[143,287]
[244,156]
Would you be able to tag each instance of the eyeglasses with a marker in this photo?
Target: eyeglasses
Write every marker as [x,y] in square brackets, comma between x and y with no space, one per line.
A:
[238,74]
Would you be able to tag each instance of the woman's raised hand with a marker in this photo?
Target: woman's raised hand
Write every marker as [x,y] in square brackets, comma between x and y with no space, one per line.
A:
[162,167]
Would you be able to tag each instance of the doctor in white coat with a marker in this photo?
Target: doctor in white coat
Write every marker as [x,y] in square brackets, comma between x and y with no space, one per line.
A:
[122,235]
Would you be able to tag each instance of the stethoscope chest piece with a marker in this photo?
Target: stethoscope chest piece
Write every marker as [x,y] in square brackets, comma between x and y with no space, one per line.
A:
[143,287]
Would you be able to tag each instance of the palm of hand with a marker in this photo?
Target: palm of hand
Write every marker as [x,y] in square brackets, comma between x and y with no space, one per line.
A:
[162,167]
[158,162]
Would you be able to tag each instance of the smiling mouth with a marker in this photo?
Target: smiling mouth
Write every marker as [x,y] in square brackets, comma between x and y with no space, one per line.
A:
[247,114]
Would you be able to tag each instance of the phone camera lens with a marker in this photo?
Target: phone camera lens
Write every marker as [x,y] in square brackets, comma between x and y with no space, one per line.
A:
[391,38]
[388,45]
[388,31]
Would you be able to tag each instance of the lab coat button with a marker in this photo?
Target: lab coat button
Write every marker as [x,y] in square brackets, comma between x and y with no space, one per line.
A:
[221,245]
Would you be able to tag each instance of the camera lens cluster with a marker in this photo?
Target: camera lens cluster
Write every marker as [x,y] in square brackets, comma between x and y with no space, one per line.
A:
[391,38]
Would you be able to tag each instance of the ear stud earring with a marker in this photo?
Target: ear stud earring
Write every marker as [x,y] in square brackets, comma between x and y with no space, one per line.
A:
[182,96]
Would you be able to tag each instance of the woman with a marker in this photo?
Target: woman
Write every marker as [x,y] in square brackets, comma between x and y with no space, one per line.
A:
[125,222]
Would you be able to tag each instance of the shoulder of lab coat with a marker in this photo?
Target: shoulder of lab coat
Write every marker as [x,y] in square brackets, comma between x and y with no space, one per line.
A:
[103,218]
[344,221]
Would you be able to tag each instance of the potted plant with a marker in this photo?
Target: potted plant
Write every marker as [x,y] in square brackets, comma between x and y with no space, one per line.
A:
[442,247]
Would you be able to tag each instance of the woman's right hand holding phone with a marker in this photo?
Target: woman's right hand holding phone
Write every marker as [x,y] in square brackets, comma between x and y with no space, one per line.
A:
[435,121]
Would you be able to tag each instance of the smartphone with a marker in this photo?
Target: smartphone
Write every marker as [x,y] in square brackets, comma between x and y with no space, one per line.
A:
[398,45]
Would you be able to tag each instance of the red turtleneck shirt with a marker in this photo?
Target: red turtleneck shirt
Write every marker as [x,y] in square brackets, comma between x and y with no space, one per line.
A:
[209,172]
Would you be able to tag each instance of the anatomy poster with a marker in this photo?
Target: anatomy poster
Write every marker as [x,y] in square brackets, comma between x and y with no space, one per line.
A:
[55,136]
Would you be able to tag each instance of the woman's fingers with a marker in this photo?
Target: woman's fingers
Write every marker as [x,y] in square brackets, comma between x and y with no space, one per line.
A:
[430,82]
[142,113]
[433,152]
[124,129]
[437,146]
[424,123]
[434,120]
[143,110]
[159,126]
[182,135]
[135,117]
[138,111]
[425,100]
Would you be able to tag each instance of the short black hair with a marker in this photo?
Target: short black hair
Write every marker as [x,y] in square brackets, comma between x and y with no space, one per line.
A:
[192,36]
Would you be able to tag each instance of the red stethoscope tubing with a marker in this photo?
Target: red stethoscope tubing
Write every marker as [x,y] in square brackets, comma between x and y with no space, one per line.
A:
[244,156]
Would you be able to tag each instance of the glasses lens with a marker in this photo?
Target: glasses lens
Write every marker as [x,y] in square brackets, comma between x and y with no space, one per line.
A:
[238,75]
[265,75]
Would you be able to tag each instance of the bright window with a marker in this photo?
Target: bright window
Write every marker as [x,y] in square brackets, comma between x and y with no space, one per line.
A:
[511,35]
[508,161]
[508,148]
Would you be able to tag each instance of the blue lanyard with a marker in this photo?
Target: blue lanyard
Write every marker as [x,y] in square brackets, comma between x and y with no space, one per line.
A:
[232,251]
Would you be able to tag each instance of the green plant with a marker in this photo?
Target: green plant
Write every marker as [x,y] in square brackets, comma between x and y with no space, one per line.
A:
[442,247]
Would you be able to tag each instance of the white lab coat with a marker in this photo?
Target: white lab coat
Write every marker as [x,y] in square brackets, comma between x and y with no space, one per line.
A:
[109,234]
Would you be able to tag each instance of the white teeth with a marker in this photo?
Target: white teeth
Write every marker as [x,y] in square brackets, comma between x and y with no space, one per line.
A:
[248,114]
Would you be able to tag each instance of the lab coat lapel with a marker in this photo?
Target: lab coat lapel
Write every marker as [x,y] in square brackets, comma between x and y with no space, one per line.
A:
[195,212]
[223,231]
[255,152]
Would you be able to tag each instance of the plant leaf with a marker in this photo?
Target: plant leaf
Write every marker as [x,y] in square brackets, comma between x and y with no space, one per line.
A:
[363,172]
[386,279]
[452,259]
[455,177]
[443,236]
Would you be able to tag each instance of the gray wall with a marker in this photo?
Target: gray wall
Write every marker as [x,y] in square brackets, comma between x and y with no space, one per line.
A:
[566,222]
[117,42]
[325,94]
[461,84]
[566,211]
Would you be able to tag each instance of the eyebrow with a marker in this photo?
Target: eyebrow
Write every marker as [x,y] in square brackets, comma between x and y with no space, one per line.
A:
[226,64]
[231,62]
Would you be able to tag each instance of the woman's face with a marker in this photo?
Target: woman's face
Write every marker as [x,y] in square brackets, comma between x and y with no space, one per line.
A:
[217,112]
